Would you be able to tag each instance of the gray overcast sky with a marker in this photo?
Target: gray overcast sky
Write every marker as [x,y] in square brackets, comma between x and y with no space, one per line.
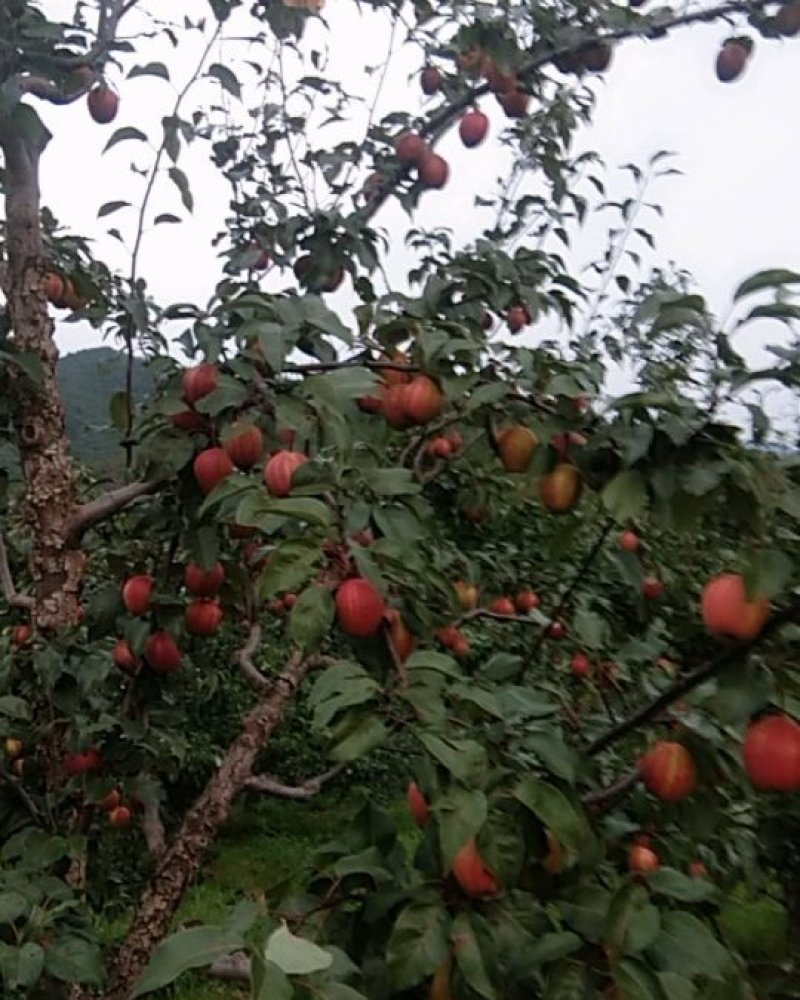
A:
[736,209]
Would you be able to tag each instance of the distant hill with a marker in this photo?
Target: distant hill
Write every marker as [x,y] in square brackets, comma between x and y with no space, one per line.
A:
[87,380]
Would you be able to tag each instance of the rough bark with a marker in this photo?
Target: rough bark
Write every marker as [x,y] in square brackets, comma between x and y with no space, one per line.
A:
[56,568]
[180,863]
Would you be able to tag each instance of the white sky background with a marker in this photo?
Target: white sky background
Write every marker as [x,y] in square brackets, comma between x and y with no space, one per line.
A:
[736,210]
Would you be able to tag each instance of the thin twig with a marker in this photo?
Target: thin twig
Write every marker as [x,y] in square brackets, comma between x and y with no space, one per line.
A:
[243,657]
[269,785]
[693,679]
[602,798]
[105,506]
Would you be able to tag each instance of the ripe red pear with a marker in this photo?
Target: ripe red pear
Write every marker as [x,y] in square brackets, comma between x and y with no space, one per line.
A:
[280,469]
[515,103]
[245,445]
[517,317]
[21,636]
[423,400]
[162,653]
[472,874]
[211,466]
[203,582]
[103,104]
[461,648]
[581,665]
[83,762]
[771,753]
[643,860]
[120,818]
[410,149]
[668,771]
[198,382]
[731,60]
[123,658]
[430,80]
[203,616]
[561,489]
[473,128]
[526,601]
[110,801]
[629,541]
[400,636]
[502,606]
[189,421]
[563,442]
[137,592]
[652,588]
[359,608]
[698,870]
[516,446]
[434,171]
[394,407]
[556,630]
[439,447]
[417,805]
[728,612]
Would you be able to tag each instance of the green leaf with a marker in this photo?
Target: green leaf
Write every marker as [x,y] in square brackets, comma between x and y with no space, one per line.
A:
[587,912]
[74,960]
[687,946]
[418,944]
[630,914]
[340,687]
[296,956]
[625,496]
[226,78]
[118,410]
[181,182]
[189,949]
[768,573]
[13,905]
[269,982]
[356,736]
[151,69]
[556,755]
[465,759]
[569,981]
[289,567]
[551,948]
[757,928]
[461,813]
[677,988]
[110,207]
[14,707]
[637,982]
[21,968]
[771,278]
[391,482]
[676,885]
[123,135]
[302,509]
[557,813]
[311,617]
[469,958]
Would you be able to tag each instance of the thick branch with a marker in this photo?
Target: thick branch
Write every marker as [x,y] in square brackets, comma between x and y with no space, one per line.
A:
[12,597]
[269,785]
[694,678]
[244,658]
[89,514]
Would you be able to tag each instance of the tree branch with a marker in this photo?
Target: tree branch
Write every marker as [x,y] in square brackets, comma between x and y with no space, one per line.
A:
[693,679]
[244,658]
[602,799]
[269,785]
[105,506]
[644,27]
[12,597]
[153,829]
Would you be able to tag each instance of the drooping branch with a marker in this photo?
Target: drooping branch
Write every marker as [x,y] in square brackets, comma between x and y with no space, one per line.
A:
[101,508]
[645,27]
[243,657]
[269,785]
[153,829]
[694,678]
[12,597]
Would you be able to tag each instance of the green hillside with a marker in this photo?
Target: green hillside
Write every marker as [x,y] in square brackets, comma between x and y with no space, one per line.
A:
[87,380]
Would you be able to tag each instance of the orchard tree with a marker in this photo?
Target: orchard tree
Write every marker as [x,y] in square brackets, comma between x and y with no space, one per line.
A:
[577,611]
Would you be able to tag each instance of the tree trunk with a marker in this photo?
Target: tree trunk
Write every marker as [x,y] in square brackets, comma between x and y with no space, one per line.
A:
[38,414]
[180,864]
